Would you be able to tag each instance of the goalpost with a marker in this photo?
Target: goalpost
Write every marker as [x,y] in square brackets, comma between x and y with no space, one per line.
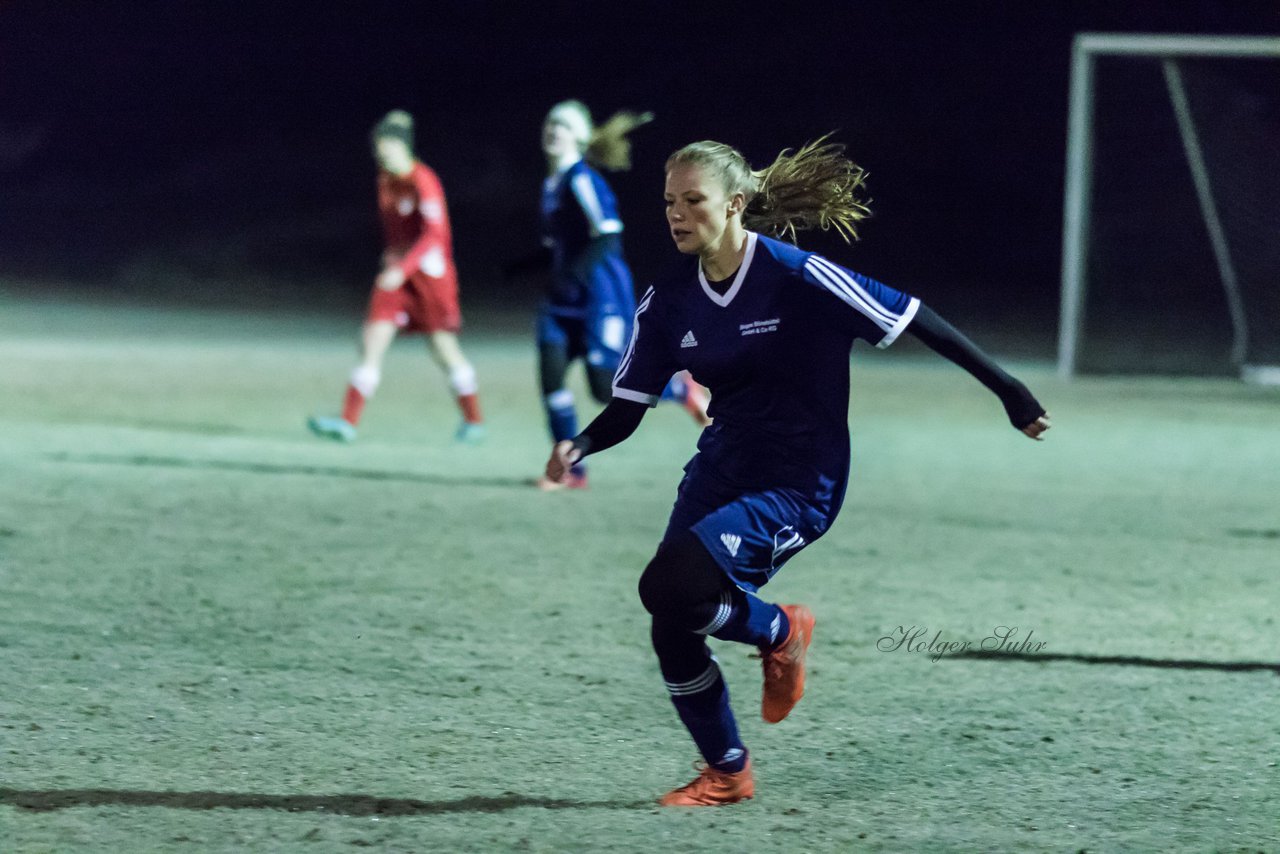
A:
[1239,243]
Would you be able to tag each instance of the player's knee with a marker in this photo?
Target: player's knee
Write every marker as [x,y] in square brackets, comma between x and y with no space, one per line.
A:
[365,379]
[561,398]
[462,379]
[679,581]
[659,588]
[600,381]
[553,362]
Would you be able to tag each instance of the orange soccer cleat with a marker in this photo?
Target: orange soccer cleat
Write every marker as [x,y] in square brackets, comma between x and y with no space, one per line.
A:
[712,788]
[784,666]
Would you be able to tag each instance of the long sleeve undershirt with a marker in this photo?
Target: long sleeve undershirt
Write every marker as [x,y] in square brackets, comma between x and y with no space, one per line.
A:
[947,341]
[620,418]
[615,423]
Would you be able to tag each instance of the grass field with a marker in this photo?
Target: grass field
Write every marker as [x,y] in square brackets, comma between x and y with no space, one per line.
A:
[218,633]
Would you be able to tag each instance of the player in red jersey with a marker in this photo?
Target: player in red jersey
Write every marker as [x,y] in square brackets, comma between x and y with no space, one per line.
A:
[417,290]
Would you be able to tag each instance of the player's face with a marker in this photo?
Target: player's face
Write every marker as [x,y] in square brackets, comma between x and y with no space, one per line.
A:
[393,155]
[698,209]
[558,140]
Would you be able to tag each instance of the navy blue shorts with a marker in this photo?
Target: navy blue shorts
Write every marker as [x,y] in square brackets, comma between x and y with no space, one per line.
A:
[599,338]
[751,535]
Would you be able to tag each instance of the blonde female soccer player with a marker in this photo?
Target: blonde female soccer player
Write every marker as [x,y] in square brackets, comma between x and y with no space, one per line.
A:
[588,309]
[768,327]
[417,290]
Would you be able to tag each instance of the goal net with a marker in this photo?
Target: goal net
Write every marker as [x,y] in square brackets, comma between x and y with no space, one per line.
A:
[1171,245]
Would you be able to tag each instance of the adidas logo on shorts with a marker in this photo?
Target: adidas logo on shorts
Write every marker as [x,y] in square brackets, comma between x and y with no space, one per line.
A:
[689,340]
[731,542]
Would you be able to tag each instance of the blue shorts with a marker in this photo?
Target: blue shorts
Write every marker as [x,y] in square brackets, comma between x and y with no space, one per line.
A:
[751,534]
[598,338]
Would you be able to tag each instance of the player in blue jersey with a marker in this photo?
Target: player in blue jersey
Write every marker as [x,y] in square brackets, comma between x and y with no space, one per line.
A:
[588,311]
[769,328]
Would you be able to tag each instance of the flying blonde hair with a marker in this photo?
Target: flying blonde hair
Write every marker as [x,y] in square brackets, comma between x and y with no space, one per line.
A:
[606,145]
[814,187]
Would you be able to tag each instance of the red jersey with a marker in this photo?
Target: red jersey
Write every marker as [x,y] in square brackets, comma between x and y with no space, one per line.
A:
[415,222]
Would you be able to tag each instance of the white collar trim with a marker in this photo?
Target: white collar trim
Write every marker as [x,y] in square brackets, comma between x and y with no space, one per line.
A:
[723,301]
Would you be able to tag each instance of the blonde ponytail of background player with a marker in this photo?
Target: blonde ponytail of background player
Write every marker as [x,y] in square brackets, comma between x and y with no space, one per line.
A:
[605,146]
[609,147]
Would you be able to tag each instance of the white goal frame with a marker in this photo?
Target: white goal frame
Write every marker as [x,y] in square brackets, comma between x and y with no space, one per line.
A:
[1075,222]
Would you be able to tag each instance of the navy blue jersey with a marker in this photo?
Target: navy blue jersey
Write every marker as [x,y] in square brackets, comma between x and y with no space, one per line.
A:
[578,208]
[774,352]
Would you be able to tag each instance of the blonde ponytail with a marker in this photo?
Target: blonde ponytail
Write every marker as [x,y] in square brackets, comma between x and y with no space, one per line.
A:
[815,187]
[609,147]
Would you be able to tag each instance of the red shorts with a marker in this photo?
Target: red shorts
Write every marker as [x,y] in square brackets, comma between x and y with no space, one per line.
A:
[422,304]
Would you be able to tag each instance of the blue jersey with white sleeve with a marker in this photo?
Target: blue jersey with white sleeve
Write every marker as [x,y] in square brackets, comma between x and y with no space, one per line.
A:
[774,351]
[581,227]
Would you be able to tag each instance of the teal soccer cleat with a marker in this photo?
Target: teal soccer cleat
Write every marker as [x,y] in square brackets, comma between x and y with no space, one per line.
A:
[470,433]
[332,427]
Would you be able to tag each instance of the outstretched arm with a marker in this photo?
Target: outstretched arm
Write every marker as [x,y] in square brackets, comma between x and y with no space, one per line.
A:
[615,423]
[1024,411]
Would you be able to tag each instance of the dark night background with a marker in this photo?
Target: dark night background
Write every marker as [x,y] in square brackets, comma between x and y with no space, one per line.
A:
[152,144]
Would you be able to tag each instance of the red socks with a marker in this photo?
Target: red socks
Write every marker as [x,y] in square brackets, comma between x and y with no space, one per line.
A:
[470,406]
[353,406]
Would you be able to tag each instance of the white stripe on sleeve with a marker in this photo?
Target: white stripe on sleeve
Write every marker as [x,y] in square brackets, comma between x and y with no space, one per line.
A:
[625,362]
[635,333]
[846,287]
[639,397]
[903,320]
[585,192]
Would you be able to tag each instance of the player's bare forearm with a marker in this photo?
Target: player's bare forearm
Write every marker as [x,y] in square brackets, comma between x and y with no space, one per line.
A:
[1024,411]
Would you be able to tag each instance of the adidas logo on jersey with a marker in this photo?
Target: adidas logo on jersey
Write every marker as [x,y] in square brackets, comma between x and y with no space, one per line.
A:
[731,542]
[689,340]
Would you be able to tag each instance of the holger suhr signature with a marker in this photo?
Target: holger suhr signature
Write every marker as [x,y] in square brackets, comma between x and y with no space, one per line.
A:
[917,639]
